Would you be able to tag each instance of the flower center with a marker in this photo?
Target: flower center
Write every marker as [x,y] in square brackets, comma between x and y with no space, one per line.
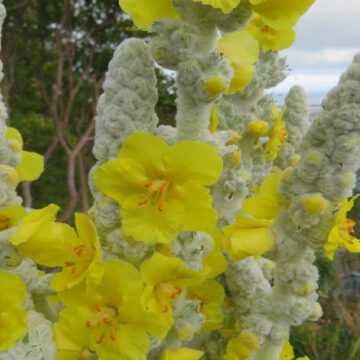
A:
[4,222]
[268,30]
[156,193]
[105,321]
[167,293]
[83,253]
[347,230]
[282,134]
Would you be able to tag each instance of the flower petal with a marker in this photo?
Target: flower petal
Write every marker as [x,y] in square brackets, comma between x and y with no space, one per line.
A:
[282,14]
[118,179]
[146,223]
[193,161]
[147,150]
[145,12]
[31,167]
[199,214]
[242,50]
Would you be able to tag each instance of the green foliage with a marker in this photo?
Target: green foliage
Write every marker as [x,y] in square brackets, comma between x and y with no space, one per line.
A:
[330,340]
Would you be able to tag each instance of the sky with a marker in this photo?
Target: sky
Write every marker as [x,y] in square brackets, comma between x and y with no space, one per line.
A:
[328,36]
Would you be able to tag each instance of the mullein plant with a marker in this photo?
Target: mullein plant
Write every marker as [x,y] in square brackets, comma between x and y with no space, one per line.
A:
[200,242]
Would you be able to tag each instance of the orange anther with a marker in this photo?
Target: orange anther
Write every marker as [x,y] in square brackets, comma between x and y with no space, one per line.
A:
[165,309]
[101,339]
[106,320]
[98,309]
[148,184]
[143,202]
[112,337]
[88,324]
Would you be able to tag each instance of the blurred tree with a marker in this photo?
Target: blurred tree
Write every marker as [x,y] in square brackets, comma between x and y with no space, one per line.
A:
[55,56]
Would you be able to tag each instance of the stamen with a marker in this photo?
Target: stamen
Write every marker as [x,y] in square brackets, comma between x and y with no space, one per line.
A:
[156,192]
[79,249]
[101,339]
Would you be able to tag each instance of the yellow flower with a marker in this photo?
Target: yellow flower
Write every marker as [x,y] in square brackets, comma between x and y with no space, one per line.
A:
[287,352]
[278,135]
[341,235]
[269,38]
[242,50]
[258,128]
[181,354]
[248,237]
[161,189]
[52,244]
[267,202]
[211,295]
[165,278]
[32,164]
[241,347]
[12,314]
[281,14]
[145,12]
[109,319]
[10,216]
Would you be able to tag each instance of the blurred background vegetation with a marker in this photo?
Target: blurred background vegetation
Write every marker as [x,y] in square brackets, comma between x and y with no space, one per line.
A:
[55,56]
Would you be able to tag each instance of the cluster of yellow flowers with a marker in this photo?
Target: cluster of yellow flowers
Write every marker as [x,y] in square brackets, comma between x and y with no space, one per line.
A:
[111,308]
[114,309]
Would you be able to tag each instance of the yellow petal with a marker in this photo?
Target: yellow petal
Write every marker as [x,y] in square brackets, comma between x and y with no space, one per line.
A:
[33,222]
[15,138]
[148,151]
[181,354]
[242,50]
[193,161]
[145,12]
[12,314]
[268,38]
[281,14]
[51,245]
[211,294]
[213,264]
[120,279]
[248,237]
[14,134]
[199,214]
[267,202]
[10,216]
[215,86]
[160,268]
[287,352]
[146,223]
[242,347]
[113,180]
[31,167]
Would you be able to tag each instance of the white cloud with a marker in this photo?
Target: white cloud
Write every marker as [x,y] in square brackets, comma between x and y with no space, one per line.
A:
[328,36]
[311,83]
[333,56]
